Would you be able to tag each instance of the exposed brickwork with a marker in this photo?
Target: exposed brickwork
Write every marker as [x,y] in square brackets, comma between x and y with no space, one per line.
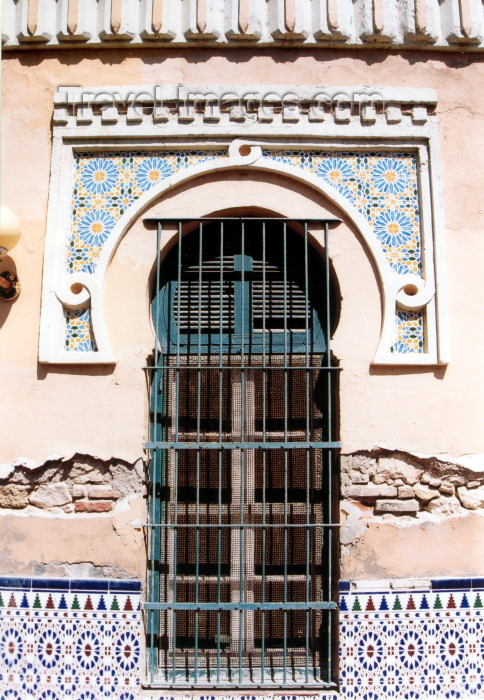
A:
[401,484]
[93,506]
[81,485]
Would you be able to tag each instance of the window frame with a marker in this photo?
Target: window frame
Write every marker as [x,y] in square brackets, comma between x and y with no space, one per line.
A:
[159,465]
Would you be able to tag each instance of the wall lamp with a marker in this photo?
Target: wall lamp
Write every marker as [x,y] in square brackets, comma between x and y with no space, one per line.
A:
[9,237]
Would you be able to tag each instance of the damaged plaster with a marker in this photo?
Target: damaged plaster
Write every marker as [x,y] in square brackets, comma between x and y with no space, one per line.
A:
[82,484]
[403,483]
[396,506]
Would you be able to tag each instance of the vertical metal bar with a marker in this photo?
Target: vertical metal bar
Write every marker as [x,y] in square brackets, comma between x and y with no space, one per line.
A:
[176,401]
[329,534]
[220,409]
[264,284]
[242,455]
[263,567]
[285,449]
[264,453]
[198,436]
[155,505]
[308,376]
[306,323]
[308,554]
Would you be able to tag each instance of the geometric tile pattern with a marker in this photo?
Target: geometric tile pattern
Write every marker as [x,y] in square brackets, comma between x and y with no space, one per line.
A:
[82,640]
[106,184]
[78,333]
[384,189]
[410,332]
[382,186]
[63,638]
[412,644]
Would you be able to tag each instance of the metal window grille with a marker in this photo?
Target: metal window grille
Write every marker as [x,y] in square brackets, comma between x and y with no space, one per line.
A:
[243,518]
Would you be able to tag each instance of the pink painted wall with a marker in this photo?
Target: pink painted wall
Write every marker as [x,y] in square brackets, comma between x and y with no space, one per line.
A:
[102,411]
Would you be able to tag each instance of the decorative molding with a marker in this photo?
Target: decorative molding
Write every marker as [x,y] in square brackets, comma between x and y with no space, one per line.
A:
[196,131]
[424,24]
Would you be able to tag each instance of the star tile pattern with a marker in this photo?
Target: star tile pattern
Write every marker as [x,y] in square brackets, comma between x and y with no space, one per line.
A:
[411,645]
[69,639]
[382,186]
[82,640]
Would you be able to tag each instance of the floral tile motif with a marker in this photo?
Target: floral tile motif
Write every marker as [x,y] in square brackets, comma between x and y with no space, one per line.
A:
[382,186]
[105,186]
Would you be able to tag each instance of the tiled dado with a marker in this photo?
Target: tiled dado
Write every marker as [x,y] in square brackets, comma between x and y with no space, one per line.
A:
[71,639]
[82,640]
[412,644]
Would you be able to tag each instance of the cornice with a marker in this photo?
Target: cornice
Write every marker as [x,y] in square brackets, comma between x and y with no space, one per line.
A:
[387,24]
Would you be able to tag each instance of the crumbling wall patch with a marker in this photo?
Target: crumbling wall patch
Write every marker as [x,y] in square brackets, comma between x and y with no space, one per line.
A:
[82,484]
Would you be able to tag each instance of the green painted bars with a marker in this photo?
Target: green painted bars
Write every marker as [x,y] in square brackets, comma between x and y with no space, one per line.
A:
[243,528]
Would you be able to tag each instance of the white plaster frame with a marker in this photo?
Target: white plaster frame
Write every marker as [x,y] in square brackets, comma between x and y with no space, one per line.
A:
[357,118]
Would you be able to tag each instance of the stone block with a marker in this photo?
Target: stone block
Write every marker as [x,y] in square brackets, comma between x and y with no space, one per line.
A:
[79,491]
[406,492]
[408,506]
[13,496]
[94,477]
[471,498]
[424,493]
[394,468]
[458,480]
[361,463]
[444,505]
[51,495]
[447,488]
[359,478]
[96,507]
[370,491]
[104,492]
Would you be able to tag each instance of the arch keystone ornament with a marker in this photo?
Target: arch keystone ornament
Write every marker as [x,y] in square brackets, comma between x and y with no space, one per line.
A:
[372,152]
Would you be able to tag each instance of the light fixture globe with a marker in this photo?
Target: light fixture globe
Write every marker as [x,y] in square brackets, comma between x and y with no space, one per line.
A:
[9,230]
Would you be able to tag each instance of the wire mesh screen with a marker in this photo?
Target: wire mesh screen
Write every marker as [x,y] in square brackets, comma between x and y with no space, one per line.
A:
[242,529]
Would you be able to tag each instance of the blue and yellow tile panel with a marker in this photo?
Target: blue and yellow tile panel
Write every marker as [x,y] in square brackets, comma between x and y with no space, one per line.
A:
[382,187]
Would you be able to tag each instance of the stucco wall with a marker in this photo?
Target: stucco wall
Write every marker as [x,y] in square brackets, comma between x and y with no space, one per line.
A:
[101,412]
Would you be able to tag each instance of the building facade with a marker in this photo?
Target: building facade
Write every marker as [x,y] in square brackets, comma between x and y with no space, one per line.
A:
[242,396]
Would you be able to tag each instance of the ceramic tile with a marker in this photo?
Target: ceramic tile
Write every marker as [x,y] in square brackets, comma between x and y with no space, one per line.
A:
[67,643]
[383,188]
[83,640]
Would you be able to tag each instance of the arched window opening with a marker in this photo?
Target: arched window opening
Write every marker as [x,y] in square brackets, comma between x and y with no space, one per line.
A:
[243,517]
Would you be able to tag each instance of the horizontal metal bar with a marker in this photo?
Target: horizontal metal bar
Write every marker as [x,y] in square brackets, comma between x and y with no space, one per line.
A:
[315,605]
[153,219]
[240,526]
[268,685]
[239,368]
[241,445]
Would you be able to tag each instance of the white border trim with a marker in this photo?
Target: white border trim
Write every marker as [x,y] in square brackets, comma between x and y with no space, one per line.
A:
[390,128]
